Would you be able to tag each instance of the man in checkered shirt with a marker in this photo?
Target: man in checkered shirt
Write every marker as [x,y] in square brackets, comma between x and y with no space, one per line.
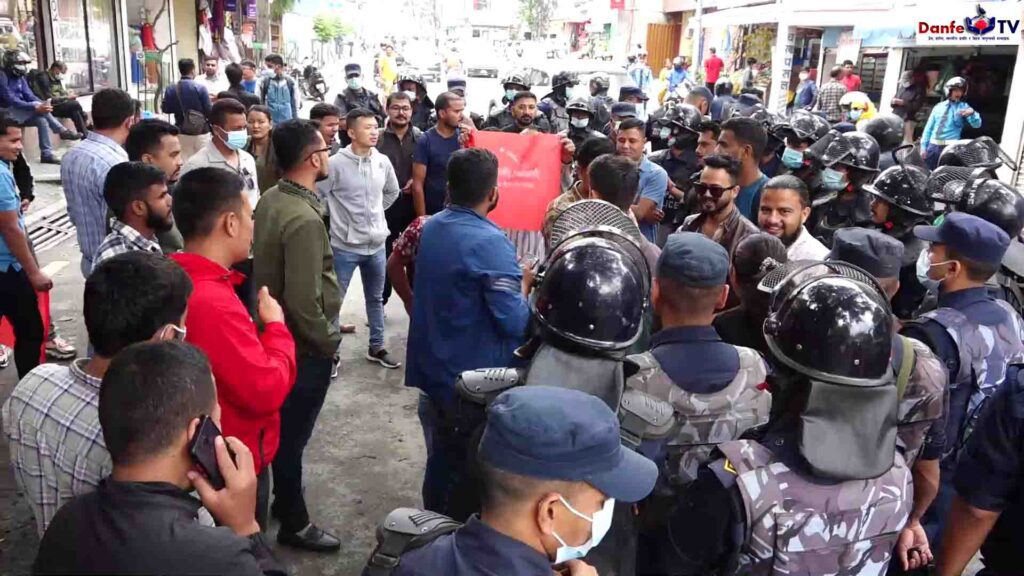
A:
[137,195]
[830,95]
[51,419]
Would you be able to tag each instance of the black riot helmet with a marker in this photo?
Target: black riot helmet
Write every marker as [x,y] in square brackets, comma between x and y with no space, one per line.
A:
[685,116]
[599,84]
[592,292]
[886,129]
[580,104]
[16,62]
[982,152]
[806,126]
[564,79]
[996,202]
[863,152]
[830,324]
[903,187]
[414,78]
[517,81]
[723,87]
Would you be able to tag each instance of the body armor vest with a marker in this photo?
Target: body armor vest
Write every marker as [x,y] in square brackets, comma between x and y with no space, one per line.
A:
[922,401]
[706,420]
[985,350]
[557,116]
[796,525]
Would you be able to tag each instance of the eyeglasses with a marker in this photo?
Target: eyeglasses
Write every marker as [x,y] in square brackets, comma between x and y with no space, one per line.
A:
[400,109]
[250,184]
[315,152]
[710,189]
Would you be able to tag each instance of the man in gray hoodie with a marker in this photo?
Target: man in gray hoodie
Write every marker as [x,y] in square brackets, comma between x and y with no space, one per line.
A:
[361,186]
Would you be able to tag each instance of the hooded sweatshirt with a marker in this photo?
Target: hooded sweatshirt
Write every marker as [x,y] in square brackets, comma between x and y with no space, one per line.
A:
[357,192]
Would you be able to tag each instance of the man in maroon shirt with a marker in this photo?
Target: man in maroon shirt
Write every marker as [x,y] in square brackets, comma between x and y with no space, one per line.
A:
[254,372]
[850,80]
[712,70]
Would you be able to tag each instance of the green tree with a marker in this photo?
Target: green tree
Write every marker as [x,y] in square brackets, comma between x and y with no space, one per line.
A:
[327,27]
[280,7]
[536,14]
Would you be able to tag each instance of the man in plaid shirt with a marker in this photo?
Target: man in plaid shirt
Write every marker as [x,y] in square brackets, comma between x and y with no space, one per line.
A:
[137,195]
[51,419]
[830,95]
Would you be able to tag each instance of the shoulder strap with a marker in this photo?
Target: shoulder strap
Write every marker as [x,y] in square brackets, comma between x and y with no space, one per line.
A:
[403,530]
[906,367]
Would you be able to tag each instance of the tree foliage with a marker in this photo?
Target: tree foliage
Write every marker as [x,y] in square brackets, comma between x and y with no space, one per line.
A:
[536,14]
[327,27]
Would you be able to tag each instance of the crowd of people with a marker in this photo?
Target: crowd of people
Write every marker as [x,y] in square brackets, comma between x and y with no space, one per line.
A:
[744,343]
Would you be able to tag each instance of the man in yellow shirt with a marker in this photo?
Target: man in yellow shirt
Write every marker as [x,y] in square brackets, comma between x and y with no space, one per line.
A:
[388,70]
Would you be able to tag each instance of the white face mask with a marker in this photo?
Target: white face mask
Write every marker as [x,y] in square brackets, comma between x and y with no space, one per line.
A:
[600,524]
[924,264]
[569,93]
[579,122]
[803,76]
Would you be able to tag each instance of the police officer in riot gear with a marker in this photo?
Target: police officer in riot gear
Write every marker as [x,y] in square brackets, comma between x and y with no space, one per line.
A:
[553,104]
[422,105]
[801,131]
[899,202]
[723,99]
[552,470]
[832,449]
[356,95]
[680,162]
[716,389]
[501,119]
[848,161]
[580,119]
[975,335]
[887,130]
[982,152]
[601,103]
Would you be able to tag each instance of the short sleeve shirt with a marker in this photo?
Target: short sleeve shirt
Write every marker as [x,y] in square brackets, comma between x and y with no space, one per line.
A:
[433,151]
[9,201]
[408,242]
[653,186]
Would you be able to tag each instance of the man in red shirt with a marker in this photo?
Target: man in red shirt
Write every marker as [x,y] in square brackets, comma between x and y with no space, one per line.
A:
[850,80]
[712,69]
[254,372]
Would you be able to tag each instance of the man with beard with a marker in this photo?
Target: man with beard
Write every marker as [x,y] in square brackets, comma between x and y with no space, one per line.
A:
[153,141]
[719,218]
[524,114]
[744,139]
[630,142]
[785,208]
[680,162]
[501,118]
[432,152]
[137,194]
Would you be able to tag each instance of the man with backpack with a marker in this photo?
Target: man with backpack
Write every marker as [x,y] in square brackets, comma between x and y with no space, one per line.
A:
[190,104]
[278,91]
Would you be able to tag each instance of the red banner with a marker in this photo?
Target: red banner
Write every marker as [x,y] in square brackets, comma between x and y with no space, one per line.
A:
[618,4]
[7,331]
[529,176]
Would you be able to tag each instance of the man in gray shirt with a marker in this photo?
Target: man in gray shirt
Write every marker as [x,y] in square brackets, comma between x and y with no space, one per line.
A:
[361,186]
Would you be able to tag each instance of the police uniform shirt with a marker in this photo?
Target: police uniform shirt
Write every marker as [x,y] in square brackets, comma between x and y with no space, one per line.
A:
[476,549]
[990,475]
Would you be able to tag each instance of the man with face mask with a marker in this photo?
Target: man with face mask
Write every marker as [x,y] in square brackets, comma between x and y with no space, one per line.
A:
[848,161]
[580,116]
[553,105]
[356,95]
[278,91]
[785,208]
[946,121]
[680,162]
[226,149]
[422,105]
[292,258]
[552,467]
[975,335]
[137,195]
[601,102]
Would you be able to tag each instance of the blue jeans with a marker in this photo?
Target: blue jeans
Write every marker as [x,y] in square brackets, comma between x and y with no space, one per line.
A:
[931,155]
[372,270]
[444,450]
[43,124]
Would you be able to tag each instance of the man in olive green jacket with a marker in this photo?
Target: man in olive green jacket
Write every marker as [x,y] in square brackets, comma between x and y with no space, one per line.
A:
[292,258]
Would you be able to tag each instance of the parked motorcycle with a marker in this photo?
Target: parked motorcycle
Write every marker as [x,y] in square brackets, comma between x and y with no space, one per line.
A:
[313,84]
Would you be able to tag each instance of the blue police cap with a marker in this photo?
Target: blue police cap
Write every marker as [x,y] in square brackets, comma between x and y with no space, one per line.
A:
[563,434]
[624,110]
[353,69]
[626,91]
[970,236]
[874,252]
[456,82]
[693,259]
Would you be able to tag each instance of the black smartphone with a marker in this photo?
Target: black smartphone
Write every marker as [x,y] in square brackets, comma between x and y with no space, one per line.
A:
[203,453]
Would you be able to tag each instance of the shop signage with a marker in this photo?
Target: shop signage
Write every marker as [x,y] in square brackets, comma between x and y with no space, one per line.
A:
[250,9]
[990,23]
[618,4]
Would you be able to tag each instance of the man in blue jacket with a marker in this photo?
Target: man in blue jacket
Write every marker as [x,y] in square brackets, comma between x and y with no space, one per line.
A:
[23,107]
[946,121]
[469,308]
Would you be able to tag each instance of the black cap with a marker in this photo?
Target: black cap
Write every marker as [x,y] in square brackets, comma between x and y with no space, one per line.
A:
[877,254]
[353,69]
[624,110]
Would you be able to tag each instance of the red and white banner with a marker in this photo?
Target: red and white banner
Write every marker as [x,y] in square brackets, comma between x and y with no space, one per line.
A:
[529,176]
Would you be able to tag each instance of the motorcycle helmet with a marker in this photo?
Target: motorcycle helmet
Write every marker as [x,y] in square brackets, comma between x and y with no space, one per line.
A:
[886,129]
[572,302]
[955,82]
[517,81]
[982,152]
[564,79]
[16,62]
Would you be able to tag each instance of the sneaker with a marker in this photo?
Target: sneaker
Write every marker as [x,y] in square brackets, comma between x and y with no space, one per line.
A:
[69,135]
[5,356]
[335,366]
[58,348]
[383,358]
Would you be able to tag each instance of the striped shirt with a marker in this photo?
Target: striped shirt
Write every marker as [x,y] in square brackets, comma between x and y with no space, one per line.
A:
[828,100]
[83,172]
[123,238]
[52,423]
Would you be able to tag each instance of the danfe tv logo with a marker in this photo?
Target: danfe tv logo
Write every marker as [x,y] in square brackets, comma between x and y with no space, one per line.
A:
[979,25]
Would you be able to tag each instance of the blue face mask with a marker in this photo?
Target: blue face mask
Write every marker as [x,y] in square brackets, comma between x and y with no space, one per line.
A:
[792,159]
[833,180]
[570,92]
[599,526]
[924,264]
[510,94]
[855,115]
[236,140]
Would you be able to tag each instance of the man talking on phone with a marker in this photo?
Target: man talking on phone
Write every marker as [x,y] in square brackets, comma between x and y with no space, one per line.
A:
[154,398]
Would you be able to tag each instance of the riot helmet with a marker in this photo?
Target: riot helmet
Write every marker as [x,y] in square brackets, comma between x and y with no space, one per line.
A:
[517,81]
[886,129]
[723,87]
[995,202]
[592,292]
[903,187]
[863,152]
[686,117]
[586,214]
[414,78]
[830,323]
[599,84]
[16,62]
[563,79]
[955,82]
[580,104]
[982,152]
[806,126]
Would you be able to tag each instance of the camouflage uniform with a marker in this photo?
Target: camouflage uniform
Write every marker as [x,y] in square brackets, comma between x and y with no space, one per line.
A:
[924,400]
[985,350]
[556,206]
[796,525]
[706,419]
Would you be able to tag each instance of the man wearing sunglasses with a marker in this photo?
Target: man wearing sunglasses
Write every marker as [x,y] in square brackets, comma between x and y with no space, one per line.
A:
[718,217]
